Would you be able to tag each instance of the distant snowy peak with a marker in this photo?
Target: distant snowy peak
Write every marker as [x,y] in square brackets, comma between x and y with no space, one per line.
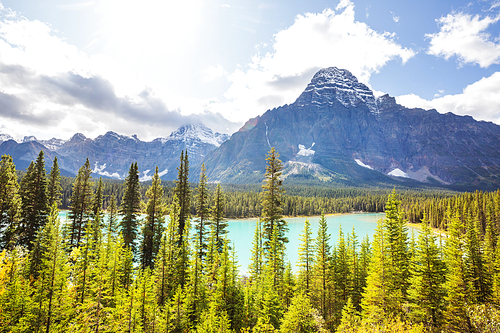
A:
[29,138]
[53,144]
[5,137]
[197,132]
[332,83]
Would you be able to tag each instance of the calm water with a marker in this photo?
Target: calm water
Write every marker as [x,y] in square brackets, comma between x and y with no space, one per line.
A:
[241,232]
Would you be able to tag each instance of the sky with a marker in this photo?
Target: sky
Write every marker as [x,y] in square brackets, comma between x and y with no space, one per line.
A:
[148,67]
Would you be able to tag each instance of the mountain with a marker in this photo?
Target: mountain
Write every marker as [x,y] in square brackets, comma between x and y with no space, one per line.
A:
[337,131]
[111,154]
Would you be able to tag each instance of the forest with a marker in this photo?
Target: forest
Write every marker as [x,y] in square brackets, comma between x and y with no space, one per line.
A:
[154,257]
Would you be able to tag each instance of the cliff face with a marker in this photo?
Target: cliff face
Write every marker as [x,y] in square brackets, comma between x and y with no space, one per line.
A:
[338,130]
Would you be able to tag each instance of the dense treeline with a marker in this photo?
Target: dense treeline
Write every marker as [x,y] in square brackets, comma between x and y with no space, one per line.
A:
[120,272]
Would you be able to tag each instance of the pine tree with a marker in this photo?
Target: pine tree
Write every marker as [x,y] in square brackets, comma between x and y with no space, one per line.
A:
[397,241]
[203,213]
[10,202]
[166,273]
[302,317]
[426,290]
[154,223]
[130,208]
[81,204]
[256,261]
[272,192]
[112,217]
[376,302]
[183,193]
[54,190]
[34,206]
[322,269]
[219,223]
[51,287]
[456,317]
[306,257]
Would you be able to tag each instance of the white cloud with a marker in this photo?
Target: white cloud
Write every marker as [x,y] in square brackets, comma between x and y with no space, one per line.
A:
[479,100]
[213,73]
[50,88]
[314,41]
[395,18]
[465,36]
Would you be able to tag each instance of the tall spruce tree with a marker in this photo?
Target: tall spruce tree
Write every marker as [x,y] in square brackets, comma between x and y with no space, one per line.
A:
[54,190]
[426,292]
[219,223]
[322,269]
[130,208]
[306,257]
[34,202]
[456,316]
[183,193]
[10,202]
[80,204]
[271,196]
[203,213]
[154,222]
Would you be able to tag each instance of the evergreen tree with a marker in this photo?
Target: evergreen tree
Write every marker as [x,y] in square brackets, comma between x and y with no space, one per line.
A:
[376,301]
[10,202]
[397,241]
[54,190]
[426,290]
[219,223]
[34,201]
[301,317]
[183,193]
[51,287]
[130,208]
[166,268]
[322,269]
[203,213]
[272,192]
[256,261]
[306,257]
[456,317]
[154,223]
[81,204]
[112,217]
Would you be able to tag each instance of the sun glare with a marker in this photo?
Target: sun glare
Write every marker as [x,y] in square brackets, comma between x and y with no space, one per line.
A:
[151,25]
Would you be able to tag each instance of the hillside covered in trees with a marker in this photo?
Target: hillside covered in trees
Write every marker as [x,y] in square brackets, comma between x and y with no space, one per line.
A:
[174,270]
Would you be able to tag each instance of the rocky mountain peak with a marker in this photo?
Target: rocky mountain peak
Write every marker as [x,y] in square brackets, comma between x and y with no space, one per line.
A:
[334,84]
[29,138]
[199,132]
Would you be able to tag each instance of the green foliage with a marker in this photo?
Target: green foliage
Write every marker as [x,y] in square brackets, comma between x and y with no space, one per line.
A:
[81,204]
[34,204]
[130,208]
[301,317]
[272,192]
[10,202]
[306,258]
[183,193]
[154,223]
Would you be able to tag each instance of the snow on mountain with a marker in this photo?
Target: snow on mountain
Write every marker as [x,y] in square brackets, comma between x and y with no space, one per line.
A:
[338,84]
[5,137]
[398,173]
[29,138]
[194,133]
[362,164]
[303,151]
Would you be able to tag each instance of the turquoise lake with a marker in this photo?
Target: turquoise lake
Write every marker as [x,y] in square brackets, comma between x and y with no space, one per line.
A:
[241,232]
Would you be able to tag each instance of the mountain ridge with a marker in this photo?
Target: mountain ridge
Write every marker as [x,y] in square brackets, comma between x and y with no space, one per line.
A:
[343,124]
